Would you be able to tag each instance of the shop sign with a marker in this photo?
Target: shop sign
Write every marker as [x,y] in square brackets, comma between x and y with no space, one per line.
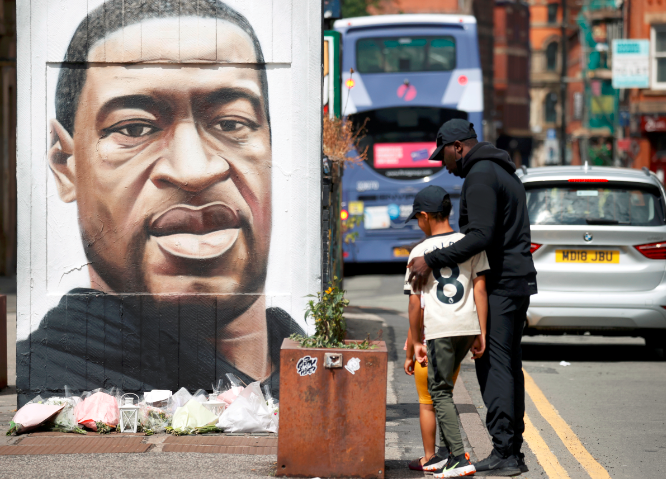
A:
[652,124]
[631,64]
[624,144]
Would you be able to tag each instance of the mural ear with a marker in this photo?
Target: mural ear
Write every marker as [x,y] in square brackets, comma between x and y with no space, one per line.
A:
[61,161]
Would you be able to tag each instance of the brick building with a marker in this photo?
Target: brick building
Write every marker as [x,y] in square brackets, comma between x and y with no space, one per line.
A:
[546,75]
[646,19]
[511,79]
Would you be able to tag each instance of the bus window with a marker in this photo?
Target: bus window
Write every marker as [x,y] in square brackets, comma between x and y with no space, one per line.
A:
[405,54]
[400,140]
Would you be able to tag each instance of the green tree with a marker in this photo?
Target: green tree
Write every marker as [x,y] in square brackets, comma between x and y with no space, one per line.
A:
[357,8]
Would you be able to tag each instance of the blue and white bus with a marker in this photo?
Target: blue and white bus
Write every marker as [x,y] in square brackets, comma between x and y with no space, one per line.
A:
[411,73]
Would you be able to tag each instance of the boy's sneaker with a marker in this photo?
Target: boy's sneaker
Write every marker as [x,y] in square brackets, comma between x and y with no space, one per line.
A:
[436,461]
[520,458]
[457,466]
[495,465]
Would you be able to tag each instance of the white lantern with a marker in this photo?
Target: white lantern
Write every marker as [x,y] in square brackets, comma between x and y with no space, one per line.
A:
[129,413]
[214,405]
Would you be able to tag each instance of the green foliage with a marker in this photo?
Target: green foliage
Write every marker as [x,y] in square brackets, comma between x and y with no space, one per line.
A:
[211,428]
[330,325]
[102,428]
[75,430]
[14,429]
[357,8]
[348,225]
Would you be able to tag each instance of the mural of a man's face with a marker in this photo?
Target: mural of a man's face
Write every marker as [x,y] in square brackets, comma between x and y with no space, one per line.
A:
[171,165]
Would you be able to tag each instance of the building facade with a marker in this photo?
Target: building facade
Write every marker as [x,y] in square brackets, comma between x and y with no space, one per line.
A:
[511,116]
[646,19]
[546,76]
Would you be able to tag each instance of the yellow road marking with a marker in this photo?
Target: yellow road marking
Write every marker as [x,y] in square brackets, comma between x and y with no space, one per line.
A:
[547,459]
[566,434]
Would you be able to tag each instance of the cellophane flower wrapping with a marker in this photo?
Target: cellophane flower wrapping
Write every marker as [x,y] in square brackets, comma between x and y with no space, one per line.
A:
[65,419]
[98,407]
[154,418]
[33,415]
[250,412]
[179,399]
[193,415]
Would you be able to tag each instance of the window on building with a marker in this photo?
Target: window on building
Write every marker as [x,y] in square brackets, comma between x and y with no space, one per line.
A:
[551,56]
[550,108]
[552,12]
[658,57]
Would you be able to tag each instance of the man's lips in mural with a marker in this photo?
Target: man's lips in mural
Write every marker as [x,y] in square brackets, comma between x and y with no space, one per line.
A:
[196,232]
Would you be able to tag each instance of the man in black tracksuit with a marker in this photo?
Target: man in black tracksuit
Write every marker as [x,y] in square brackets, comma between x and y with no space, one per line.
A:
[493,216]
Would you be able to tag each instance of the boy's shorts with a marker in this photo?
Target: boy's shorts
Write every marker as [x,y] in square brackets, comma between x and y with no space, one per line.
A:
[421,380]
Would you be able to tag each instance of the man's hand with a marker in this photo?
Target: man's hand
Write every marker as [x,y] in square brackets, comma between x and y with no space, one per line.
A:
[409,366]
[420,272]
[421,354]
[479,346]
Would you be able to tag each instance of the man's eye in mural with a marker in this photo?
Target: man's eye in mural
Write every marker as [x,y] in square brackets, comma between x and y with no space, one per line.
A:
[131,130]
[240,129]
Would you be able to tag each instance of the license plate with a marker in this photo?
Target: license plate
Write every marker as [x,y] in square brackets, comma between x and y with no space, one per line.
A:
[400,252]
[586,256]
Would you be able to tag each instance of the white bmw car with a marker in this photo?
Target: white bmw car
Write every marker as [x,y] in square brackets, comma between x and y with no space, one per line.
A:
[599,247]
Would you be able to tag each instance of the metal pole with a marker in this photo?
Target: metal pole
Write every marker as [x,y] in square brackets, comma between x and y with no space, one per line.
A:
[563,87]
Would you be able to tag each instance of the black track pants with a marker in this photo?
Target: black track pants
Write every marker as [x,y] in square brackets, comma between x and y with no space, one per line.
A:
[500,372]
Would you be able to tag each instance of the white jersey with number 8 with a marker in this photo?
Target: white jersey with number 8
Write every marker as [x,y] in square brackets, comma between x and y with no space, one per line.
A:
[450,309]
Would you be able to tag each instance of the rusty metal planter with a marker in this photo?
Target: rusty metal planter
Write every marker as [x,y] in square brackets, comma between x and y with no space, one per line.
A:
[332,420]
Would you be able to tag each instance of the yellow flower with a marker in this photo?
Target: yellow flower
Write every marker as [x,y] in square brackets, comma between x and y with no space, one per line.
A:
[328,291]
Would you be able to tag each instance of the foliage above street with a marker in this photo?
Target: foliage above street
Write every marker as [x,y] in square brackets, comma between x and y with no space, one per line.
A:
[330,325]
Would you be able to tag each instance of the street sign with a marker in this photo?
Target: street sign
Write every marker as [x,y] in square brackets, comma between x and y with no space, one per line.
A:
[653,123]
[631,64]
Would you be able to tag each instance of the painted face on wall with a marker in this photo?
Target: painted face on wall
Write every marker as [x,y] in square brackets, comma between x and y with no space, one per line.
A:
[171,165]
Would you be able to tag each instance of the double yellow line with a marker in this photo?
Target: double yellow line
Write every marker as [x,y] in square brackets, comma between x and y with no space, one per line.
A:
[546,458]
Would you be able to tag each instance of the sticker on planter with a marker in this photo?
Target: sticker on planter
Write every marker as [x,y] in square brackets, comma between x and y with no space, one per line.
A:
[306,366]
[353,365]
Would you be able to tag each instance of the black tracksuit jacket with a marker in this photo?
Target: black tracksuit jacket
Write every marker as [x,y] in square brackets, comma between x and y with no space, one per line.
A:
[493,217]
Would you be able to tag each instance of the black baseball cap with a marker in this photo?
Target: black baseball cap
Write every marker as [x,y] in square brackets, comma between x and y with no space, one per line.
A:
[453,130]
[428,200]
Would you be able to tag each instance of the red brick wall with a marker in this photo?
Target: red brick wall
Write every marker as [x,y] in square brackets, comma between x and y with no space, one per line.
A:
[642,14]
[511,61]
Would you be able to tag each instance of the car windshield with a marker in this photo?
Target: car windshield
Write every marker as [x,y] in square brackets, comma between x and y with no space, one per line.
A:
[621,204]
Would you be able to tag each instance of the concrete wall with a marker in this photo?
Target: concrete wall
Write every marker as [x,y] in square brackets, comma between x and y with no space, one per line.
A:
[169,183]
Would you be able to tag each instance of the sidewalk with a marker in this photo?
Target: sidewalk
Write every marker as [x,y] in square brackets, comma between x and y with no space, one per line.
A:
[115,455]
[403,434]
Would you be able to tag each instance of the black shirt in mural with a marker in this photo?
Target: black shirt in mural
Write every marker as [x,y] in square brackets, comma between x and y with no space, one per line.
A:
[92,340]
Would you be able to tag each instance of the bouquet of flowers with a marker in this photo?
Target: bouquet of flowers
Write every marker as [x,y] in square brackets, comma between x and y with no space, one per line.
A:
[65,421]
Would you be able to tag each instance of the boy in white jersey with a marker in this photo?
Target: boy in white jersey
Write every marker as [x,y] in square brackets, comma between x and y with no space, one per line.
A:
[456,308]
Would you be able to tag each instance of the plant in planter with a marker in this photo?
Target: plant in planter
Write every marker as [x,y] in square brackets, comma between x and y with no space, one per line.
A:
[335,389]
[330,326]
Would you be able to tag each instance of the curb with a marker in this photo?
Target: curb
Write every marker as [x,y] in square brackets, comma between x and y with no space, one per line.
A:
[471,421]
